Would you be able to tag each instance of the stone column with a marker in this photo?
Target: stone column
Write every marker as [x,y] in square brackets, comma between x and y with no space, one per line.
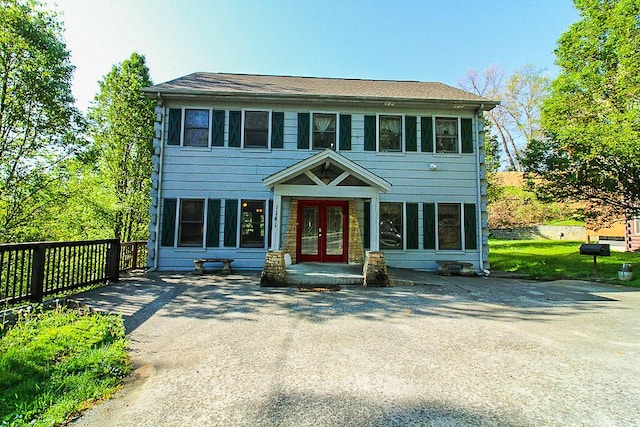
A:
[274,272]
[375,270]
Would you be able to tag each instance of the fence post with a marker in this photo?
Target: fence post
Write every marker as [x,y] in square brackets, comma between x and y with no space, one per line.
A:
[134,260]
[113,261]
[37,274]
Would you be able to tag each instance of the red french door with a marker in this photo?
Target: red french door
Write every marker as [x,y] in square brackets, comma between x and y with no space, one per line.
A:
[322,231]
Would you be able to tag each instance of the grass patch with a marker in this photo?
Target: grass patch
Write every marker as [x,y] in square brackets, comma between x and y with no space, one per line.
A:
[54,363]
[552,260]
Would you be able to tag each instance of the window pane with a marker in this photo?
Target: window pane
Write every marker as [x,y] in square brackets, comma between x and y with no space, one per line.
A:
[324,131]
[196,118]
[449,226]
[196,128]
[391,226]
[256,128]
[446,135]
[252,225]
[191,222]
[390,133]
[196,137]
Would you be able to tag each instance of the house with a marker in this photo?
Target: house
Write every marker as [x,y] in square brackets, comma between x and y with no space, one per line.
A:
[622,234]
[321,169]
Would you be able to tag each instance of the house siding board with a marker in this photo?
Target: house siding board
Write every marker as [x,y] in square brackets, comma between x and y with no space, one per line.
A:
[223,172]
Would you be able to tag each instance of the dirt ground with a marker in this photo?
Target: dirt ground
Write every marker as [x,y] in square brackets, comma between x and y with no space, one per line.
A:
[217,351]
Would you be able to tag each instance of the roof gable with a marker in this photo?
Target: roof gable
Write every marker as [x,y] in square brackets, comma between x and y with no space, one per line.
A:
[327,168]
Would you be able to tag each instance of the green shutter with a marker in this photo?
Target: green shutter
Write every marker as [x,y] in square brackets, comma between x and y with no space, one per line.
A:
[366,241]
[470,228]
[412,226]
[467,136]
[230,222]
[303,131]
[175,123]
[213,223]
[217,128]
[235,131]
[345,132]
[429,223]
[169,222]
[277,130]
[410,130]
[369,133]
[426,124]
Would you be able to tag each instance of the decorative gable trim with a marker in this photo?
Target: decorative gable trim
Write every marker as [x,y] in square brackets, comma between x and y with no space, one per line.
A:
[327,156]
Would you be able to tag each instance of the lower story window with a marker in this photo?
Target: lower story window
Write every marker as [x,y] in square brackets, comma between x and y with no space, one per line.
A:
[391,226]
[449,226]
[252,224]
[191,222]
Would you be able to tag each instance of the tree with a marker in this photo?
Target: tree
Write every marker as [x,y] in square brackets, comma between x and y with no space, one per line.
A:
[591,152]
[121,124]
[38,120]
[516,121]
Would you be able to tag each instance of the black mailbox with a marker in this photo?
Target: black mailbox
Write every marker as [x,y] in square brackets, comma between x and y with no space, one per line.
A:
[595,249]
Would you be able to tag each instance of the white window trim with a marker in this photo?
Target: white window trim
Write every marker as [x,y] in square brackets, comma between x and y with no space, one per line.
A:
[183,123]
[402,133]
[459,136]
[269,128]
[176,237]
[266,225]
[462,233]
[337,147]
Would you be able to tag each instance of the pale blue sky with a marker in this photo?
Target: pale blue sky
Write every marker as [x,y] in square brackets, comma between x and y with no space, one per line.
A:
[428,40]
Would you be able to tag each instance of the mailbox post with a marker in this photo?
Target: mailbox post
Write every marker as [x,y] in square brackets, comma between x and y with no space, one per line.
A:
[595,249]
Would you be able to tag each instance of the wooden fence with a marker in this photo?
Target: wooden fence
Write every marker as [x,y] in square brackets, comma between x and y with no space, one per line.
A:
[31,271]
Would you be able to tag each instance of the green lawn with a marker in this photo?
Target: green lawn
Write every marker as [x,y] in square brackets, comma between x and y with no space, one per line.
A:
[54,363]
[549,260]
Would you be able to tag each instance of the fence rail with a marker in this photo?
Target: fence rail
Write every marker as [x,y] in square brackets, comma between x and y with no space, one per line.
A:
[30,271]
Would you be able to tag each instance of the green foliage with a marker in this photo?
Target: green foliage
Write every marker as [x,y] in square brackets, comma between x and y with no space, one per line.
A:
[38,121]
[592,117]
[121,122]
[515,207]
[551,260]
[54,363]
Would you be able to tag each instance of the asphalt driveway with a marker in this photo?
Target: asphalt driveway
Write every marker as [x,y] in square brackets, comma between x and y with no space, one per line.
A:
[450,351]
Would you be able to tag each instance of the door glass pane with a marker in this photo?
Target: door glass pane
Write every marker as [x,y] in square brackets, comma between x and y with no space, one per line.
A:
[309,235]
[334,230]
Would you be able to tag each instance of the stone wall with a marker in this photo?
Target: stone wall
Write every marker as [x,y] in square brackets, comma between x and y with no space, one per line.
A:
[274,272]
[289,246]
[375,270]
[356,253]
[541,232]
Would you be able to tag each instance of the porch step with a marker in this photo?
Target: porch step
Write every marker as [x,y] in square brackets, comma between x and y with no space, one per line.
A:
[310,274]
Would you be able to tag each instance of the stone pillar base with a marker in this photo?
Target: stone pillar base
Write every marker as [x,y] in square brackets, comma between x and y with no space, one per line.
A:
[375,270]
[274,272]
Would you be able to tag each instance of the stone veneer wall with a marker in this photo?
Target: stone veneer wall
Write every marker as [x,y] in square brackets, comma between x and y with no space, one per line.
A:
[356,253]
[375,270]
[274,272]
[289,246]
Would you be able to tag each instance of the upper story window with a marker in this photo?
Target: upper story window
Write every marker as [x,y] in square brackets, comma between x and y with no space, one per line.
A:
[196,128]
[390,133]
[324,131]
[256,129]
[446,135]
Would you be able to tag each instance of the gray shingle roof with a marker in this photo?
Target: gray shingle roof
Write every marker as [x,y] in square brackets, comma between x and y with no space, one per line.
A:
[288,86]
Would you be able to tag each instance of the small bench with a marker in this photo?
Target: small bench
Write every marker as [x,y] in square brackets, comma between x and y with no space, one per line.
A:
[448,268]
[199,265]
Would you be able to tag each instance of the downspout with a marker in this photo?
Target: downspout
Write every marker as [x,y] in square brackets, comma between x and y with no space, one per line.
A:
[160,163]
[479,188]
